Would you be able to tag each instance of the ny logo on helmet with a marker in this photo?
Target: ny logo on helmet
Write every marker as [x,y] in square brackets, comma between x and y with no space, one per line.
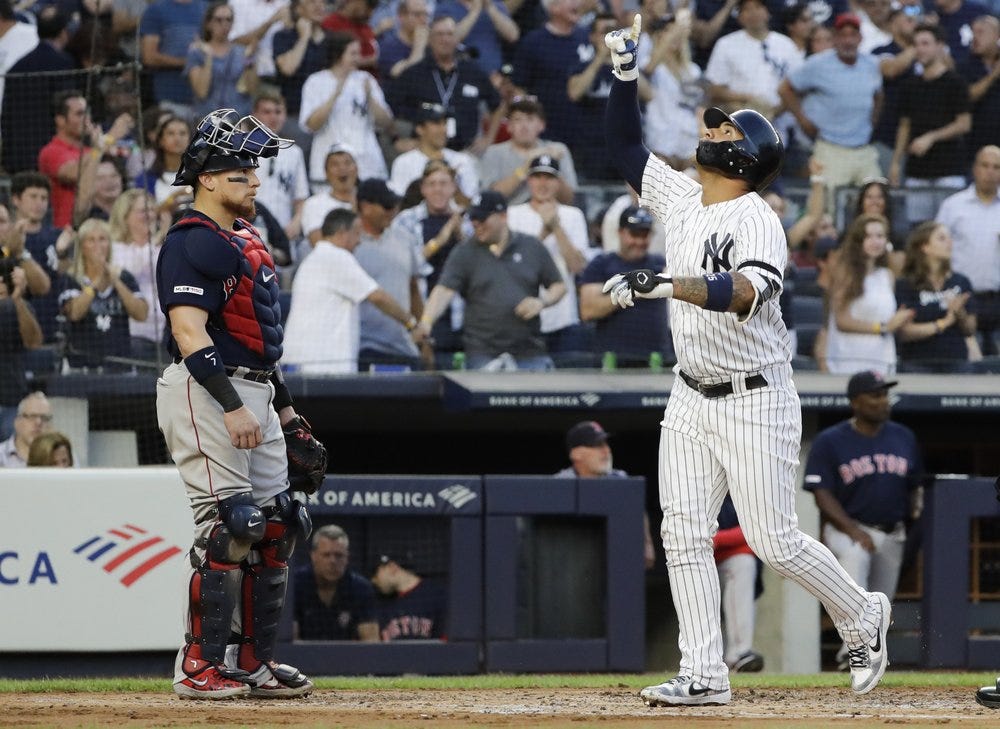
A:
[716,256]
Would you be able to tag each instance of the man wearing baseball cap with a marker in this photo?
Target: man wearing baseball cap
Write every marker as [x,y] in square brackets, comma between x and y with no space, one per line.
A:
[834,98]
[563,231]
[645,328]
[865,473]
[590,457]
[499,273]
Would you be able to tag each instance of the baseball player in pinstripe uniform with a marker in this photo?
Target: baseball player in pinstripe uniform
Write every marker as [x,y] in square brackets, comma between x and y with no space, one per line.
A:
[733,421]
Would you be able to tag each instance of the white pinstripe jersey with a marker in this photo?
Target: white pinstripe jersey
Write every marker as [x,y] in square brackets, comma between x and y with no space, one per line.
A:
[742,235]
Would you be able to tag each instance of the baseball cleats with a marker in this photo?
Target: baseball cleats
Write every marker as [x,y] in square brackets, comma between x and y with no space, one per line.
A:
[684,691]
[989,696]
[278,681]
[749,662]
[868,661]
[213,683]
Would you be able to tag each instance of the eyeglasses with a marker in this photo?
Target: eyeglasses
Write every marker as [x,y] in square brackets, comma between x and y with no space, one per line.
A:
[40,417]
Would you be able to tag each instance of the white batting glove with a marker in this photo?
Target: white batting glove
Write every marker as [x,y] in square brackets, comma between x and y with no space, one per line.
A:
[643,283]
[624,45]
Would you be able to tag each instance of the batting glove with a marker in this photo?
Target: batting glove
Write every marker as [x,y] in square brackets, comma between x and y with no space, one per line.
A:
[624,45]
[643,283]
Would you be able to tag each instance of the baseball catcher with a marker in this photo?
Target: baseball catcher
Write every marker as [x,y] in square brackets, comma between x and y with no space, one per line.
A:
[229,421]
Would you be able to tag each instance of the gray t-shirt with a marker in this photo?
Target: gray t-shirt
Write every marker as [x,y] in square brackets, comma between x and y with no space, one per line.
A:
[500,161]
[392,261]
[492,286]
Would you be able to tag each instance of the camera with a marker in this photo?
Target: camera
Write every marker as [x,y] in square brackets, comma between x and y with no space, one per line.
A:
[7,266]
[661,22]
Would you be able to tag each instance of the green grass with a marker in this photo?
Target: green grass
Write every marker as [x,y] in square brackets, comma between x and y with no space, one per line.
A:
[504,681]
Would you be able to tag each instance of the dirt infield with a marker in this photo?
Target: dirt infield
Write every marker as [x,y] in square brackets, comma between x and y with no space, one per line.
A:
[545,708]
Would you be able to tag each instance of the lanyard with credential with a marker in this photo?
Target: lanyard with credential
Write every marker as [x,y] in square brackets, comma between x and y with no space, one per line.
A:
[445,93]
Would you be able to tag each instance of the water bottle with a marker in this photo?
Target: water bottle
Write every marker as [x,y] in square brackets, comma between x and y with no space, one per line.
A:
[609,362]
[655,362]
[458,361]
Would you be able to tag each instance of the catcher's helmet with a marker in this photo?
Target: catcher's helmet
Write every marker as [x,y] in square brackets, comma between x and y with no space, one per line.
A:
[223,140]
[756,158]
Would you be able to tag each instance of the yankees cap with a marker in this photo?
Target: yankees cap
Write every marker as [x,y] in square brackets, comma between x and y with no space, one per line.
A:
[388,557]
[489,202]
[430,112]
[341,148]
[587,433]
[868,381]
[635,218]
[544,164]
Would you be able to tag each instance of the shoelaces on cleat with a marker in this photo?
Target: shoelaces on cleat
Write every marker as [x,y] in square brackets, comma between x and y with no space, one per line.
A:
[858,657]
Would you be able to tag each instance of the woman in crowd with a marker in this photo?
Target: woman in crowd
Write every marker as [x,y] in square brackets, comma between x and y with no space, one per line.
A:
[98,299]
[874,198]
[436,225]
[343,104]
[172,137]
[51,449]
[137,232]
[673,116]
[221,74]
[937,340]
[862,303]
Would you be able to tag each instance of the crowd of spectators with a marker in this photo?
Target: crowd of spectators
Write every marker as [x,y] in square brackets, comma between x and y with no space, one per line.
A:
[434,211]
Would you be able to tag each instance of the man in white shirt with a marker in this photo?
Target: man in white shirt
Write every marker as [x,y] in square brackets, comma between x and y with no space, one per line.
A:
[342,178]
[323,331]
[284,183]
[16,39]
[34,417]
[432,137]
[746,67]
[563,231]
[254,24]
[972,216]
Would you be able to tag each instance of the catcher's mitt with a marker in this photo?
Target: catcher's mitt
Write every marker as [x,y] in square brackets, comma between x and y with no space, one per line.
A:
[306,456]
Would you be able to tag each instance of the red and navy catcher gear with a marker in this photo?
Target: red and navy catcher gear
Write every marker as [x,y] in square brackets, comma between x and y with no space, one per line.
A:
[223,140]
[756,158]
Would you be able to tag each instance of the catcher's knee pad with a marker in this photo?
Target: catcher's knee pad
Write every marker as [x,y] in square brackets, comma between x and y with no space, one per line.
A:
[241,523]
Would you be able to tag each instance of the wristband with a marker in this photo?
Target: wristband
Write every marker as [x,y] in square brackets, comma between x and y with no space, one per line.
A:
[720,291]
[207,369]
[282,397]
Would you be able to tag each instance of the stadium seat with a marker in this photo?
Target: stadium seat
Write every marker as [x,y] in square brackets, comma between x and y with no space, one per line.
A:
[806,334]
[807,310]
[805,282]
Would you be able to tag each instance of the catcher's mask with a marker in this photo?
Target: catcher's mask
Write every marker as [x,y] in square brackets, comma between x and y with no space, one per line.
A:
[756,158]
[224,140]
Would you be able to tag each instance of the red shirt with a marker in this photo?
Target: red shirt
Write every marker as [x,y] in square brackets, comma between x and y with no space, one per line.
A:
[50,158]
[362,31]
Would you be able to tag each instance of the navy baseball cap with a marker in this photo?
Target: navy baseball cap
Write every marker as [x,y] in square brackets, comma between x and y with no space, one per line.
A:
[430,112]
[374,190]
[635,218]
[868,381]
[489,202]
[587,433]
[544,164]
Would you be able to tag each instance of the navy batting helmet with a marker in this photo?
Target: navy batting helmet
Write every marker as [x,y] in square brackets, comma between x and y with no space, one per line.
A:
[223,140]
[756,158]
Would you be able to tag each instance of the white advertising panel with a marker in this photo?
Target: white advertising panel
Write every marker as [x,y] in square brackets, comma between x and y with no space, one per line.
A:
[92,559]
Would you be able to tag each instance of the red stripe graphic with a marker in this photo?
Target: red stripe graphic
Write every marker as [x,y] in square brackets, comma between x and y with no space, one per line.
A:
[131,552]
[118,533]
[149,564]
[134,528]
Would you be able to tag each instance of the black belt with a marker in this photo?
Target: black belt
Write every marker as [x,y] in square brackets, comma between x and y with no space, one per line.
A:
[887,527]
[248,374]
[244,373]
[721,389]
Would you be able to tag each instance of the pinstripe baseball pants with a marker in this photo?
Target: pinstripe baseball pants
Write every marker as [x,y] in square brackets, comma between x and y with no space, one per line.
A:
[746,443]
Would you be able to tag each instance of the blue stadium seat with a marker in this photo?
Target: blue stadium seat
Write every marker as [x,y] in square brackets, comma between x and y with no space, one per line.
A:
[805,281]
[807,310]
[806,334]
